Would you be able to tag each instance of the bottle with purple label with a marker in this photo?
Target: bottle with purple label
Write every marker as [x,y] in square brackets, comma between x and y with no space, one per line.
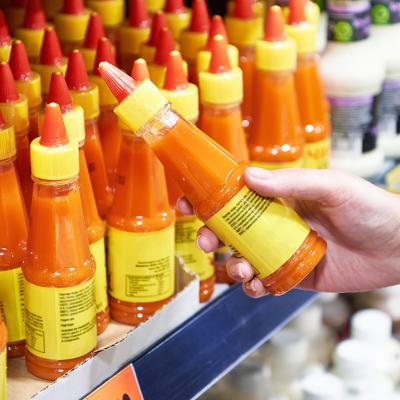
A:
[353,73]
[385,32]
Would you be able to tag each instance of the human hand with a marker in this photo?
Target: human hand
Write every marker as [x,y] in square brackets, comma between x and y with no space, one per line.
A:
[359,221]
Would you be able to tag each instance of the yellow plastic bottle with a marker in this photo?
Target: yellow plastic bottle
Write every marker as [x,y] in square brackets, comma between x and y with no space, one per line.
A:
[155,5]
[178,17]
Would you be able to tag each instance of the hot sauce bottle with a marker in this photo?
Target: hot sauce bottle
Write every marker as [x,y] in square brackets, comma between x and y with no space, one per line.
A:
[110,133]
[75,126]
[5,39]
[184,100]
[3,360]
[58,269]
[141,233]
[178,17]
[277,138]
[215,187]
[14,107]
[28,83]
[244,28]
[86,94]
[13,238]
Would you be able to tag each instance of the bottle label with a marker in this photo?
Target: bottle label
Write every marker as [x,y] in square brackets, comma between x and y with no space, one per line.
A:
[185,245]
[389,118]
[316,154]
[141,265]
[60,322]
[354,125]
[98,251]
[3,374]
[349,23]
[263,230]
[385,12]
[12,303]
[222,255]
[278,165]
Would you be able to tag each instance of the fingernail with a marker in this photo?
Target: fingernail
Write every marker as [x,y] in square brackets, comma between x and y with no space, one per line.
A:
[259,173]
[237,270]
[202,243]
[251,286]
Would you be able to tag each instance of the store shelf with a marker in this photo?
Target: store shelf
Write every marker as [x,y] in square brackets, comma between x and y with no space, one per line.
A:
[212,342]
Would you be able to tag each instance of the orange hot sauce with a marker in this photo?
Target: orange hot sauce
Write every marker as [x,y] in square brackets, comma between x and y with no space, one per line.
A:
[213,182]
[221,93]
[110,133]
[13,237]
[311,100]
[86,95]
[277,139]
[58,269]
[28,83]
[14,107]
[184,100]
[75,126]
[244,28]
[141,231]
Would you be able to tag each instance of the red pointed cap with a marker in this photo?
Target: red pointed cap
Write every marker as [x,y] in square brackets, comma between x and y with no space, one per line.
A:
[50,53]
[175,76]
[4,33]
[274,26]
[53,133]
[94,32]
[76,75]
[140,72]
[120,84]
[244,9]
[174,6]
[73,7]
[159,23]
[59,93]
[34,15]
[104,52]
[200,21]
[217,27]
[2,122]
[19,62]
[219,62]
[8,89]
[165,45]
[138,14]
[296,12]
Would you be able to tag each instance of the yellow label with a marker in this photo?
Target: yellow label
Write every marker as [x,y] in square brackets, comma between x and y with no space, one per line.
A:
[278,165]
[263,230]
[141,265]
[60,322]
[12,303]
[185,245]
[3,375]
[316,154]
[98,251]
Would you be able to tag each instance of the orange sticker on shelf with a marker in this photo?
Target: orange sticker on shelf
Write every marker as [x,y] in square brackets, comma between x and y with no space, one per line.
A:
[122,386]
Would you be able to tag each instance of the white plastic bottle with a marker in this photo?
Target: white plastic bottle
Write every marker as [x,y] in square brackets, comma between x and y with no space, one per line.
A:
[353,73]
[322,386]
[385,32]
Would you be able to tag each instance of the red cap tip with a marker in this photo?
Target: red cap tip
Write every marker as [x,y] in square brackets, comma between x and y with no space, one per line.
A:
[8,89]
[296,12]
[200,21]
[244,9]
[19,62]
[219,62]
[104,52]
[138,14]
[175,76]
[94,32]
[4,33]
[174,6]
[76,75]
[275,24]
[159,23]
[34,15]
[165,45]
[120,84]
[53,133]
[50,53]
[140,72]
[73,7]
[59,93]
[217,27]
